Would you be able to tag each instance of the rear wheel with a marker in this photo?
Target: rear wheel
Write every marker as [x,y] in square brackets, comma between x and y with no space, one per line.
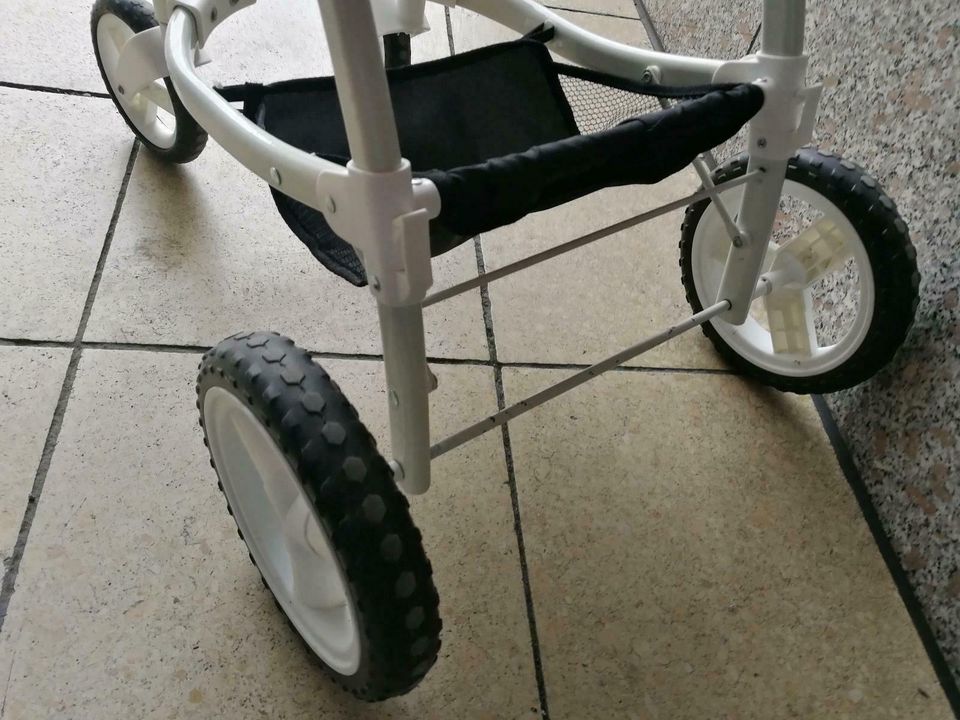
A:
[853,285]
[156,114]
[321,516]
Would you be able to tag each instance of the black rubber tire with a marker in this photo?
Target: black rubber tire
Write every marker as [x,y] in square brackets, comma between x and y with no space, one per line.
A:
[190,138]
[351,487]
[893,261]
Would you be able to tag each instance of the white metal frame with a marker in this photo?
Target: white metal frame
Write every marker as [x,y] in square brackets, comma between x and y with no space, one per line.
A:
[376,205]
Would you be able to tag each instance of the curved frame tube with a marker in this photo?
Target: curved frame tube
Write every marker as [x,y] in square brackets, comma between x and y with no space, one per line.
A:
[283,166]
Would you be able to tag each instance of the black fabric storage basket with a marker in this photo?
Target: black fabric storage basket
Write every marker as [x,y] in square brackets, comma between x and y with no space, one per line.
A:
[502,131]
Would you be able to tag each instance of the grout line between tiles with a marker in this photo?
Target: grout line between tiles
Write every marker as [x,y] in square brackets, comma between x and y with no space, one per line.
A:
[28,342]
[336,355]
[512,483]
[753,40]
[532,365]
[591,12]
[900,578]
[508,457]
[12,566]
[449,24]
[52,90]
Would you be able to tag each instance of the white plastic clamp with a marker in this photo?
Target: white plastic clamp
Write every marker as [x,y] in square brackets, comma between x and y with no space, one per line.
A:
[400,16]
[207,14]
[786,120]
[386,217]
[142,61]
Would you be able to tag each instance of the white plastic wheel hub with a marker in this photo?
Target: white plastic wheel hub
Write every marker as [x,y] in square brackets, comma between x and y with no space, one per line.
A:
[151,110]
[282,531]
[780,334]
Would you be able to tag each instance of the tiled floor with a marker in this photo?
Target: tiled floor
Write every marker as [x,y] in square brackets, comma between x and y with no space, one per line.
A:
[689,548]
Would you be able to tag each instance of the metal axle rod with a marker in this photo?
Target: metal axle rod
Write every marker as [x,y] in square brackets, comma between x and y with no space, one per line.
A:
[539,257]
[574,380]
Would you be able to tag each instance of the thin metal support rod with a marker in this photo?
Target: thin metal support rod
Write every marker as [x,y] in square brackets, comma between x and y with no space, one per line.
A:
[494,421]
[566,247]
[656,42]
[653,35]
[702,168]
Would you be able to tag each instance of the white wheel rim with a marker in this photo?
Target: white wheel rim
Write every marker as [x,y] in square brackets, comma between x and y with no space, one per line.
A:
[151,111]
[282,531]
[752,340]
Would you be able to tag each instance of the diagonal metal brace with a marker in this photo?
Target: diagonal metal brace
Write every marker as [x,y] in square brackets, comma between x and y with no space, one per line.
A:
[494,421]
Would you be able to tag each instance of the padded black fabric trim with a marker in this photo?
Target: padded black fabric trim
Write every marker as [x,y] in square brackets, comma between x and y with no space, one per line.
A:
[643,150]
[494,130]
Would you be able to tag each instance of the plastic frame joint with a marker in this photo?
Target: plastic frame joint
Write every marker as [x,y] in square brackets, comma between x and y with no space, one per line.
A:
[399,271]
[788,102]
[207,14]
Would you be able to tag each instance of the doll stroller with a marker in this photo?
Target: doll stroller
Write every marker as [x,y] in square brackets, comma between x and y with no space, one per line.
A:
[377,171]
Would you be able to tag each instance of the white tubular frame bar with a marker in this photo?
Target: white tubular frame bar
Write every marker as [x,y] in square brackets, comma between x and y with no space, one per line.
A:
[376,206]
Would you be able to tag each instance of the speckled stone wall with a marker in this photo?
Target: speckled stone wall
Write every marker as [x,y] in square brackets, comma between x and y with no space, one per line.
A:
[891,72]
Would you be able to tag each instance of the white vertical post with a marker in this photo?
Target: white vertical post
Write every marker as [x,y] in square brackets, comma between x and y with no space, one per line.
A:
[782,31]
[758,210]
[374,147]
[361,84]
[405,363]
[783,37]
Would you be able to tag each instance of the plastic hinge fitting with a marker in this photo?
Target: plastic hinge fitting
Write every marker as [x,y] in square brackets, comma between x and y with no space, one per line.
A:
[785,122]
[386,218]
[396,16]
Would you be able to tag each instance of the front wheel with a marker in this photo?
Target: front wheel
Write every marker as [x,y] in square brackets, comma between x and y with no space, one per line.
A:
[853,288]
[156,114]
[319,511]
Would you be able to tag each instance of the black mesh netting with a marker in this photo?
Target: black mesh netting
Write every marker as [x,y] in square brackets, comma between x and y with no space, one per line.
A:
[502,132]
[599,107]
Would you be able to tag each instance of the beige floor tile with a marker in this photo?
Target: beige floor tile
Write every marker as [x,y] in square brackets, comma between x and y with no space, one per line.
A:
[273,41]
[268,41]
[63,163]
[265,40]
[49,44]
[136,600]
[597,300]
[593,302]
[30,380]
[695,552]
